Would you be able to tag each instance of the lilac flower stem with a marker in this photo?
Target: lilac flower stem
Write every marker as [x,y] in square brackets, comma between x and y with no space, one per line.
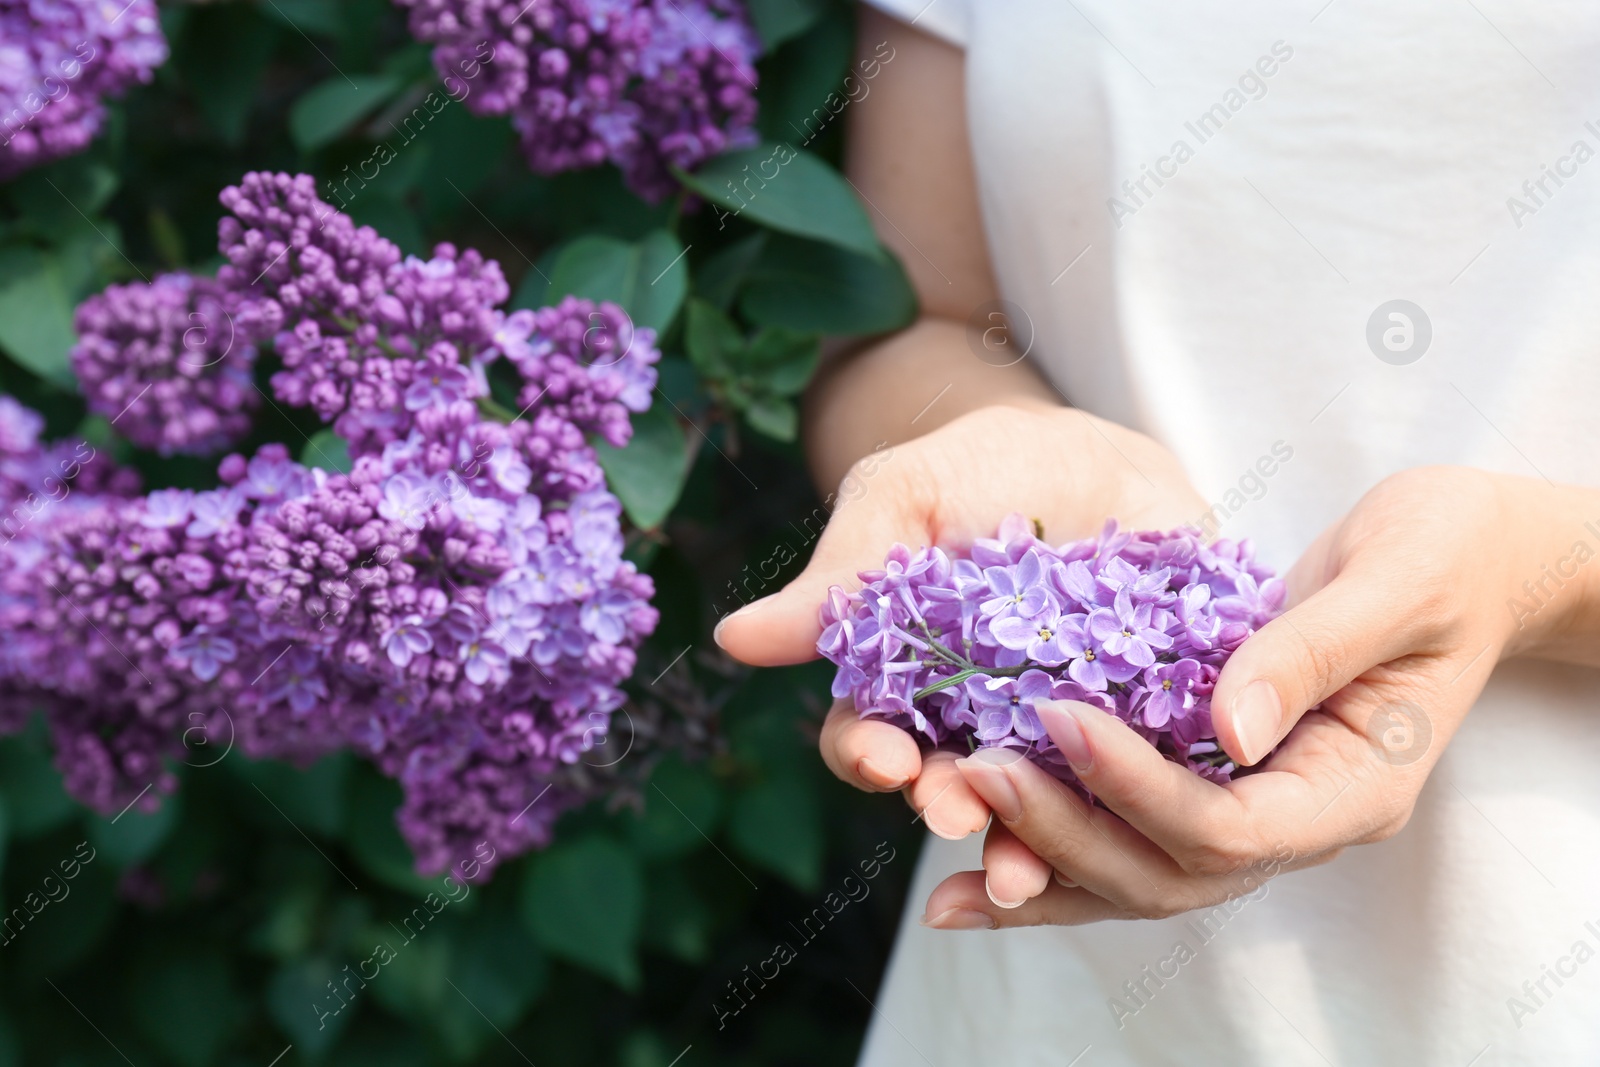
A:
[971,672]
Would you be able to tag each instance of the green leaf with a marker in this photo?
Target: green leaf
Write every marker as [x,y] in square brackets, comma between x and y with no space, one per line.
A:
[778,20]
[194,1036]
[534,289]
[327,450]
[648,475]
[411,985]
[781,361]
[300,1002]
[373,837]
[464,152]
[313,798]
[498,970]
[677,919]
[649,279]
[222,56]
[55,198]
[817,288]
[307,16]
[393,219]
[713,340]
[777,823]
[786,189]
[774,417]
[804,91]
[36,314]
[67,929]
[718,280]
[681,809]
[133,836]
[325,113]
[583,900]
[31,786]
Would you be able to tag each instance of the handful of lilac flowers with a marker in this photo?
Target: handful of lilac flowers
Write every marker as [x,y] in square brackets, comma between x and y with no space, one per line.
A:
[1139,624]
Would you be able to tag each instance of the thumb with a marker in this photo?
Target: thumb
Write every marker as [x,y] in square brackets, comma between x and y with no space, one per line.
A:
[1302,658]
[784,627]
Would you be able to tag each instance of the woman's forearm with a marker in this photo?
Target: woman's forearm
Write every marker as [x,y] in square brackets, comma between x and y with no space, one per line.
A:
[905,386]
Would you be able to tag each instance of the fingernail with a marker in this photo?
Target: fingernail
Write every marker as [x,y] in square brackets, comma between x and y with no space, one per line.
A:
[1062,879]
[1257,713]
[877,776]
[716,634]
[1006,904]
[960,919]
[1060,718]
[948,836]
[984,771]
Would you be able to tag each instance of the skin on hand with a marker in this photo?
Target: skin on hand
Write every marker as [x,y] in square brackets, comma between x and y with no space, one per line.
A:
[948,488]
[1398,615]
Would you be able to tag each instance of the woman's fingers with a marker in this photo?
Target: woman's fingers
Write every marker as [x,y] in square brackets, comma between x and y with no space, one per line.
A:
[1013,872]
[879,758]
[1091,846]
[1198,823]
[960,902]
[947,804]
[1306,655]
[870,754]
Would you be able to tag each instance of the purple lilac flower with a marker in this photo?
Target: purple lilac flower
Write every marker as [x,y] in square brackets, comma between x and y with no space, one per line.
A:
[645,84]
[456,607]
[59,59]
[164,362]
[1138,624]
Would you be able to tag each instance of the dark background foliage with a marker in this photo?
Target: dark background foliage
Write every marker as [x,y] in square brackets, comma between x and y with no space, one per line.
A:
[208,933]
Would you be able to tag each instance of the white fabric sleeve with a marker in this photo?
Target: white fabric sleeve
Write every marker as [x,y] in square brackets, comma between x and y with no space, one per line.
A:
[945,19]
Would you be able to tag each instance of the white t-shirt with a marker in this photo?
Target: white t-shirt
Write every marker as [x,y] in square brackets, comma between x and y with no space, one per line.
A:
[1291,172]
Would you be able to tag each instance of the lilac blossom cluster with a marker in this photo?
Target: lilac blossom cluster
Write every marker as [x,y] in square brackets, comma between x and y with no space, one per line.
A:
[59,59]
[960,650]
[456,607]
[162,359]
[645,84]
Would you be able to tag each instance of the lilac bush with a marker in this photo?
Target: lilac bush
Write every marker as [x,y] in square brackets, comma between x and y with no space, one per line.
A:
[455,607]
[59,60]
[960,650]
[164,360]
[644,84]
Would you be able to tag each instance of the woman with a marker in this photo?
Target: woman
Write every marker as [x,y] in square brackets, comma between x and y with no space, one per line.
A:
[1324,279]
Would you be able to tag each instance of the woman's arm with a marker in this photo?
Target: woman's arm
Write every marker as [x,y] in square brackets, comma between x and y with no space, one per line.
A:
[908,157]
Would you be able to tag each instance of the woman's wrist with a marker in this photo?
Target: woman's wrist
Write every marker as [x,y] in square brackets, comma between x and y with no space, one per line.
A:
[903,387]
[1551,607]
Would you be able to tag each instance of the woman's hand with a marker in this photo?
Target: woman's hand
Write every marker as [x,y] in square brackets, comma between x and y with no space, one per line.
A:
[1399,613]
[1069,470]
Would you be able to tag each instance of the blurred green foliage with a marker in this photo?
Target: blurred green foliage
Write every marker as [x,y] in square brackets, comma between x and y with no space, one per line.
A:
[243,921]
